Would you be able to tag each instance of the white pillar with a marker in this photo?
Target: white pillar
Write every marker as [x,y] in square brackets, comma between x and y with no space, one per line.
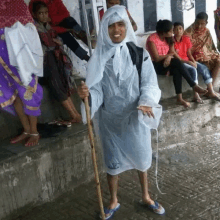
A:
[189,17]
[164,9]
[210,8]
[136,9]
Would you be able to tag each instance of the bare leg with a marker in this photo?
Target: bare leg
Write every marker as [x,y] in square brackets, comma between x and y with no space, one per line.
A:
[33,140]
[181,101]
[146,199]
[24,121]
[199,89]
[78,117]
[69,106]
[113,188]
[215,72]
[144,186]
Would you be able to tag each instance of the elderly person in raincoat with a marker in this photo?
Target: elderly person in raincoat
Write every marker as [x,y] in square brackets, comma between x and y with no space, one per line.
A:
[124,102]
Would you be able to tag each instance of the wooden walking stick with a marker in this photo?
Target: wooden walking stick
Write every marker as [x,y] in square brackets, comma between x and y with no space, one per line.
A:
[92,143]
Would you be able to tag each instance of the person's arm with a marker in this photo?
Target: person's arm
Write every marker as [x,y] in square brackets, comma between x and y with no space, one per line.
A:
[58,11]
[149,90]
[176,55]
[60,30]
[134,25]
[190,56]
[62,8]
[154,53]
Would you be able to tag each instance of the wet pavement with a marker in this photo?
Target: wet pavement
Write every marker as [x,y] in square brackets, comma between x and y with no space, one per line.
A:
[189,174]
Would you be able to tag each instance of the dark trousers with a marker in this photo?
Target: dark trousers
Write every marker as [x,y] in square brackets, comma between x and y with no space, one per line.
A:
[69,40]
[177,70]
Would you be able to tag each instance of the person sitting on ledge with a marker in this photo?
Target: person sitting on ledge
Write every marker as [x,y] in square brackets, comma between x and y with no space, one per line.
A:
[203,49]
[20,93]
[65,25]
[183,47]
[57,65]
[161,48]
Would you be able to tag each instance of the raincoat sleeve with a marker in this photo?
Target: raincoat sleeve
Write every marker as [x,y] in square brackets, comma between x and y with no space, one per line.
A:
[96,100]
[149,93]
[149,90]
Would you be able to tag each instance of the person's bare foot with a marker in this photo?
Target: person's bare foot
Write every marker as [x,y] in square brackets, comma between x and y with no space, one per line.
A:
[113,204]
[184,103]
[213,95]
[77,119]
[200,90]
[148,201]
[20,138]
[33,140]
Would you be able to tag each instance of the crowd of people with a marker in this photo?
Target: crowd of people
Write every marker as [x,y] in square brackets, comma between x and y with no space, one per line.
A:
[121,81]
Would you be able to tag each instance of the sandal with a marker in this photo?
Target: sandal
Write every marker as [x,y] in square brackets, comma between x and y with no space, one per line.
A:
[156,208]
[110,212]
[53,122]
[198,101]
[67,124]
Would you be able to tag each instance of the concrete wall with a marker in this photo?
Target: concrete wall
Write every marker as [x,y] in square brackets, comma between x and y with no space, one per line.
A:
[146,13]
[44,173]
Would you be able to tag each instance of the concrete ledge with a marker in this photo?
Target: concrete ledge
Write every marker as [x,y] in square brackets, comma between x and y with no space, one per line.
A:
[40,174]
[10,125]
[176,121]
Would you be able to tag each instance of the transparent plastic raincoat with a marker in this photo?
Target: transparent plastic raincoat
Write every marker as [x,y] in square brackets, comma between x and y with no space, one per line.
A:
[113,83]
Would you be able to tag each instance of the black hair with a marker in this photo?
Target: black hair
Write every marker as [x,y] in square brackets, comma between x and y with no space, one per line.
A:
[178,23]
[37,5]
[202,15]
[164,26]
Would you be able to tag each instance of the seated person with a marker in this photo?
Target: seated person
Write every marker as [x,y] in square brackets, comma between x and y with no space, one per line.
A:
[65,26]
[183,47]
[16,97]
[161,48]
[57,65]
[203,49]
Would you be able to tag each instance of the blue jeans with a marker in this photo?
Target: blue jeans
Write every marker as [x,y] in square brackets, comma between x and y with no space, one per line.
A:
[202,70]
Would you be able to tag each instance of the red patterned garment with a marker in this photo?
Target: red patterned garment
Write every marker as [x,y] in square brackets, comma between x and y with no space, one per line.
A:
[162,46]
[12,11]
[47,34]
[203,48]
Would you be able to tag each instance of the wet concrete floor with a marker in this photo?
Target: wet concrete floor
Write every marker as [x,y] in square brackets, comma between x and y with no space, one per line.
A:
[189,174]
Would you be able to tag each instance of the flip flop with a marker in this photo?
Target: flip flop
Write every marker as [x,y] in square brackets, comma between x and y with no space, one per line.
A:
[110,212]
[199,101]
[157,208]
[67,124]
